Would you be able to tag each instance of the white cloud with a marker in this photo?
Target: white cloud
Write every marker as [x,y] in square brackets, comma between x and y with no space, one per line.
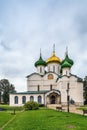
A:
[27,26]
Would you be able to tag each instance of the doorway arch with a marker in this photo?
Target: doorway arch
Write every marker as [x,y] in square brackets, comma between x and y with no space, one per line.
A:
[53,97]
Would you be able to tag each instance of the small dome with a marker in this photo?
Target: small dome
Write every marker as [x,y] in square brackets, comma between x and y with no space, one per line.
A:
[70,61]
[66,64]
[40,62]
[53,58]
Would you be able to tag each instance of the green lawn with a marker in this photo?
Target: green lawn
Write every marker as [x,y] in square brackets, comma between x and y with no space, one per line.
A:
[4,117]
[46,119]
[11,108]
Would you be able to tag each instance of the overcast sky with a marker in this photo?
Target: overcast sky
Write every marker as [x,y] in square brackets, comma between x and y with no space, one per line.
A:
[28,25]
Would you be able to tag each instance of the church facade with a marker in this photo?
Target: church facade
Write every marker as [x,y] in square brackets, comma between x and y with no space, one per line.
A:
[52,83]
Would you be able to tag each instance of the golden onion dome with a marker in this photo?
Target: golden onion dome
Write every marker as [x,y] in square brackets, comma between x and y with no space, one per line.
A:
[53,58]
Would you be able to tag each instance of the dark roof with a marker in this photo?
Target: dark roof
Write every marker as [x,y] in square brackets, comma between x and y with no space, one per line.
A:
[33,74]
[78,78]
[32,92]
[41,75]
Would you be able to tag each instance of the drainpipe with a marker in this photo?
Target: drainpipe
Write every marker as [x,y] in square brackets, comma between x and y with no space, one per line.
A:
[68,97]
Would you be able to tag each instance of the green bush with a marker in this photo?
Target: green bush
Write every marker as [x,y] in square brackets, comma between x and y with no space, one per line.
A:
[31,105]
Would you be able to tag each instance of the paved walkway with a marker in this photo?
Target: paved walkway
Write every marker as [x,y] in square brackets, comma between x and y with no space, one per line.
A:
[72,109]
[8,122]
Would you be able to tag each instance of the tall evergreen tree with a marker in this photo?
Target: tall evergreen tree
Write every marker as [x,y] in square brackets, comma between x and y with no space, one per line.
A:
[6,87]
[0,95]
[85,90]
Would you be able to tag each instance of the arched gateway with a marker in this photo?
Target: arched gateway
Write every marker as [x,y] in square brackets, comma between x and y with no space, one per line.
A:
[53,97]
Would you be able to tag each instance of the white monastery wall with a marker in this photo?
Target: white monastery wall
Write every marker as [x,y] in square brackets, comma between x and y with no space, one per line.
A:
[12,96]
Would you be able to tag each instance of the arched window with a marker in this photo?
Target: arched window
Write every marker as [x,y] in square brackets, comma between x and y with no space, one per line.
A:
[38,87]
[48,68]
[16,100]
[23,99]
[58,69]
[39,99]
[40,69]
[31,98]
[53,68]
[51,87]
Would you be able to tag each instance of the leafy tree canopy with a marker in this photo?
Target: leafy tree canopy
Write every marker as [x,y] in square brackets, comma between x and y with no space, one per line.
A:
[85,89]
[6,87]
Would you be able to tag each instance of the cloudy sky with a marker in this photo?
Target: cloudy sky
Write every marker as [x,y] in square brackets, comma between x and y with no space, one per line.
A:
[28,25]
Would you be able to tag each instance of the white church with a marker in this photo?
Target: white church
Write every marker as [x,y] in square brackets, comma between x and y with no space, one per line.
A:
[51,83]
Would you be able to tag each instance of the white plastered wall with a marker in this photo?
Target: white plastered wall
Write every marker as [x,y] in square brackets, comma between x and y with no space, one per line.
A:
[12,96]
[57,67]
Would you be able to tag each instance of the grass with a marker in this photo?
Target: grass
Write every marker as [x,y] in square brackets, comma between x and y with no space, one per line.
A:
[83,107]
[11,108]
[4,117]
[45,119]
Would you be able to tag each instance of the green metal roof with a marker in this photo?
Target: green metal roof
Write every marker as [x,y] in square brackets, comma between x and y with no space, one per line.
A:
[70,61]
[40,62]
[32,92]
[66,64]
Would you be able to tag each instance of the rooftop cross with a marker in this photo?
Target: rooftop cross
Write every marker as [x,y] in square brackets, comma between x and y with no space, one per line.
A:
[66,50]
[53,48]
[66,53]
[40,52]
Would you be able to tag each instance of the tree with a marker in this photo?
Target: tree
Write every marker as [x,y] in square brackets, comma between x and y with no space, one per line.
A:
[6,87]
[0,95]
[85,90]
